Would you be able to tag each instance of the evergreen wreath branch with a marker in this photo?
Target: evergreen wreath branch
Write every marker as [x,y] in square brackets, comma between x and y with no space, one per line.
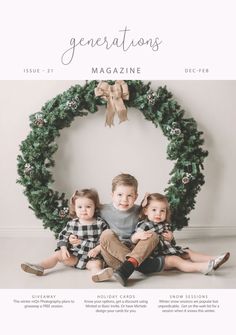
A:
[157,106]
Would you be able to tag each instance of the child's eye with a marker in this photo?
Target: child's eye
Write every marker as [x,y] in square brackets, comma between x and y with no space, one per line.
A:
[119,195]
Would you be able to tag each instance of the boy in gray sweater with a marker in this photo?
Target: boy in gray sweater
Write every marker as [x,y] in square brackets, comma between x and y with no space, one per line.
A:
[122,216]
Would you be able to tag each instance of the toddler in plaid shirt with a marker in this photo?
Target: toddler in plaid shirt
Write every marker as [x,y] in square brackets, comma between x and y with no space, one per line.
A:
[155,215]
[84,229]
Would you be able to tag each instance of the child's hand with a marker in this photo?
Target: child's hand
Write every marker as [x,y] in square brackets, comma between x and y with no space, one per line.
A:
[94,252]
[141,235]
[74,240]
[168,235]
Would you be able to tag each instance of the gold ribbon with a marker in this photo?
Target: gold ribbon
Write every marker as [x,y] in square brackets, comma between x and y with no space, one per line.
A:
[114,95]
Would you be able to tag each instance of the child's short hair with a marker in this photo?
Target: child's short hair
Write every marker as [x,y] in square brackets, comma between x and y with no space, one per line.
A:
[157,197]
[126,180]
[91,194]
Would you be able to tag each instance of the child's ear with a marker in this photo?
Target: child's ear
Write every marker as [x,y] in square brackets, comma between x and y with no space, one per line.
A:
[136,196]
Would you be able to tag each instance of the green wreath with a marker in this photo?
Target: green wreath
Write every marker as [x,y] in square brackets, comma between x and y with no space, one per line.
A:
[158,106]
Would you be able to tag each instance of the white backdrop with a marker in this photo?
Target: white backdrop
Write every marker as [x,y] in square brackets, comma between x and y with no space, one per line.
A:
[90,155]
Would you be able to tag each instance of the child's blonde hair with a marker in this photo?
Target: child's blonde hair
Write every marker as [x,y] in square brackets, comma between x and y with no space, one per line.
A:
[126,180]
[157,197]
[91,194]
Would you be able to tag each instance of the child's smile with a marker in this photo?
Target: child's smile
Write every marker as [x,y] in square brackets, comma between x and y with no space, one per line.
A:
[124,197]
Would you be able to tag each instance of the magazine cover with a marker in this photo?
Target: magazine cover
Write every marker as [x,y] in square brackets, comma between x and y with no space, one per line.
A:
[118,145]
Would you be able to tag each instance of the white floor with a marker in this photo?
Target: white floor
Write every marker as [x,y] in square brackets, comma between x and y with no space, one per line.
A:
[14,251]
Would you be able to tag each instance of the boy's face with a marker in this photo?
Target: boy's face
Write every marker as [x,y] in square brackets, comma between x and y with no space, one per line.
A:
[124,197]
[156,211]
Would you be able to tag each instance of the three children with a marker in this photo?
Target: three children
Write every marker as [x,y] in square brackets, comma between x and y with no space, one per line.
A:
[118,236]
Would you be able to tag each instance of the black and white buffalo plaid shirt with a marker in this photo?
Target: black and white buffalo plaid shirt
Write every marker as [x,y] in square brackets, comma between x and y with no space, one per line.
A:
[164,247]
[88,234]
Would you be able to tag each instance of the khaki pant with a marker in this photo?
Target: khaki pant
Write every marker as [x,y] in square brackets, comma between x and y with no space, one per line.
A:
[115,252]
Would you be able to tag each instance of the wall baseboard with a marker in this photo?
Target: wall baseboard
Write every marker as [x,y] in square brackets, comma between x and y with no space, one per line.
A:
[25,232]
[187,232]
[201,232]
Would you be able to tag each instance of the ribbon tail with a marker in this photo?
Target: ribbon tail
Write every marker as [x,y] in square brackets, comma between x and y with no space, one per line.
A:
[109,115]
[122,115]
[121,110]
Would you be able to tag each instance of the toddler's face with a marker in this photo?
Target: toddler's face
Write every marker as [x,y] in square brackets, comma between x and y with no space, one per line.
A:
[84,208]
[156,211]
[124,197]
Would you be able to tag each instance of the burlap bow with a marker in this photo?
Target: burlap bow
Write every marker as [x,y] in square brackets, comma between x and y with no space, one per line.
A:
[114,95]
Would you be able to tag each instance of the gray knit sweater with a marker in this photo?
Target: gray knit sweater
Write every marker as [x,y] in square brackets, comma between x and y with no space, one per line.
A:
[122,223]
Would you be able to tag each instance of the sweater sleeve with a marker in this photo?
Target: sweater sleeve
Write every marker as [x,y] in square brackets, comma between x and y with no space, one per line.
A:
[63,237]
